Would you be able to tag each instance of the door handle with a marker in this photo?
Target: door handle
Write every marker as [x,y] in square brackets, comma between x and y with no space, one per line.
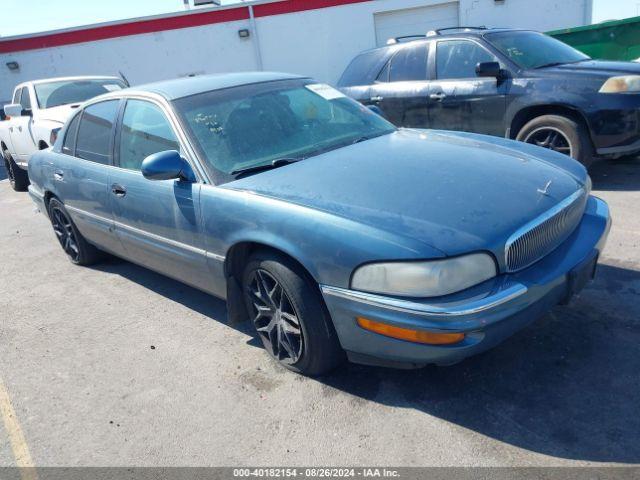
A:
[11,129]
[376,99]
[19,128]
[438,96]
[118,190]
[58,175]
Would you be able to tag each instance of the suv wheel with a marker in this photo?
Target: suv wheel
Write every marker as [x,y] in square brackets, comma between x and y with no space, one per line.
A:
[289,315]
[18,177]
[559,133]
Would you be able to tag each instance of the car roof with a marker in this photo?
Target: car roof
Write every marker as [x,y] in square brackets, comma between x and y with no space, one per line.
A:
[458,33]
[69,79]
[184,87]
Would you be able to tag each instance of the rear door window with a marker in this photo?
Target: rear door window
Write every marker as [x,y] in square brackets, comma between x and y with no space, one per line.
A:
[69,144]
[409,64]
[95,132]
[458,59]
[145,130]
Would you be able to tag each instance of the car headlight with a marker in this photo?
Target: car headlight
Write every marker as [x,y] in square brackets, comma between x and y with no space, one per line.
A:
[623,84]
[424,279]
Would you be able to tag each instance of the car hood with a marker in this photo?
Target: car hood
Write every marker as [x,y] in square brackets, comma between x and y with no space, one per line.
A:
[456,192]
[597,67]
[59,113]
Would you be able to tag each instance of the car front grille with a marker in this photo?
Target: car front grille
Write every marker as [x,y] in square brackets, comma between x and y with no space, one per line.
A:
[545,233]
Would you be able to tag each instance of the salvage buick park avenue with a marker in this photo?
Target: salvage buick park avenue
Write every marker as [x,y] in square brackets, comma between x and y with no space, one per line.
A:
[335,233]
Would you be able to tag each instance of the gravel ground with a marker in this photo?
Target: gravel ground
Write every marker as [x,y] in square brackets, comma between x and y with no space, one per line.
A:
[116,365]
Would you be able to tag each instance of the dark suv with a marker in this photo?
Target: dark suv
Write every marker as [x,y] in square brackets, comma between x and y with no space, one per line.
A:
[511,83]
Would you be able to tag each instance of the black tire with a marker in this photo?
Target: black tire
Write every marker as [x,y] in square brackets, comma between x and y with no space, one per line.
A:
[319,349]
[18,177]
[74,245]
[561,134]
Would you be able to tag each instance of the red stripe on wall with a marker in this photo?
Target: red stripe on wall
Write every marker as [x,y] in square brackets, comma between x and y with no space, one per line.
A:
[167,23]
[123,29]
[291,6]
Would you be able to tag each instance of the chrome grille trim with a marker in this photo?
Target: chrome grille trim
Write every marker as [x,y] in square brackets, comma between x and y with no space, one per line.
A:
[545,233]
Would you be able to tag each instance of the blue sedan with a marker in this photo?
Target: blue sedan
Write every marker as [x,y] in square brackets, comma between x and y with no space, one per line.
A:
[337,234]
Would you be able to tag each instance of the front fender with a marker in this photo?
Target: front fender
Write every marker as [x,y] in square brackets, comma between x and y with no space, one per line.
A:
[327,246]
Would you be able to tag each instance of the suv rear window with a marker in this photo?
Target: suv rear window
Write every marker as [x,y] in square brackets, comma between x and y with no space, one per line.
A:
[364,68]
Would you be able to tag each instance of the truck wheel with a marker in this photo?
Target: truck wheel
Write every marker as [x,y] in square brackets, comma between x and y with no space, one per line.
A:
[18,177]
[289,314]
[79,251]
[559,133]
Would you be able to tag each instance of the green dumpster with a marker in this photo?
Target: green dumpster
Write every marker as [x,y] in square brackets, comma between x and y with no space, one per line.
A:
[615,40]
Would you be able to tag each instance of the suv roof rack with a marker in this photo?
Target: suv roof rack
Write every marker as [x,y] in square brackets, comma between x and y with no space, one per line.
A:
[439,31]
[433,33]
[405,38]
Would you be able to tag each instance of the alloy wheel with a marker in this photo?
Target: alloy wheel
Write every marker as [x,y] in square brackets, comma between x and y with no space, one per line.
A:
[275,318]
[551,138]
[64,231]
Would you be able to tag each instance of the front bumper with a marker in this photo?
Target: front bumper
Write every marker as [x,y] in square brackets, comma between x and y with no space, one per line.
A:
[487,313]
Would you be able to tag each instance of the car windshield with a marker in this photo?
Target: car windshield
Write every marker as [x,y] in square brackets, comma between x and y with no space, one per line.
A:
[64,92]
[534,50]
[274,123]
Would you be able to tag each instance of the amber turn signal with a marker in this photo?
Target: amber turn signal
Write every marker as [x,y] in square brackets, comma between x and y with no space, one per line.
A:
[417,336]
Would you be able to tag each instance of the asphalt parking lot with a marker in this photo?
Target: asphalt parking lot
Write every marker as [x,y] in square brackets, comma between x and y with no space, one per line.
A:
[116,365]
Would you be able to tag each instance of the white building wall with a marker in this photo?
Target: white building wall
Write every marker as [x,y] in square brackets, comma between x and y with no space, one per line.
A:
[318,43]
[540,15]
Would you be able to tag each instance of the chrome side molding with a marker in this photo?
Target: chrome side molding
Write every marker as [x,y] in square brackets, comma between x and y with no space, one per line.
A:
[152,236]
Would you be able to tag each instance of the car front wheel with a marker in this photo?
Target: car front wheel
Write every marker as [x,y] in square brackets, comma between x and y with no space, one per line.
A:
[559,133]
[289,315]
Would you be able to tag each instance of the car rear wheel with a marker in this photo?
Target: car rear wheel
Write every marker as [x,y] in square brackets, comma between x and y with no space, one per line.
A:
[559,133]
[78,250]
[18,177]
[289,315]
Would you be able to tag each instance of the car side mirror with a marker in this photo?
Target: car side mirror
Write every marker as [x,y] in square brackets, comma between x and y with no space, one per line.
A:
[488,69]
[167,165]
[14,110]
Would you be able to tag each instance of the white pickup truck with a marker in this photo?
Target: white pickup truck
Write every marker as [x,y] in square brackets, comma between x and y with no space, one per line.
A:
[37,113]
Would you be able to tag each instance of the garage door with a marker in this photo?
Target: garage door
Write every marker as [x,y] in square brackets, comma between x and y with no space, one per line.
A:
[414,21]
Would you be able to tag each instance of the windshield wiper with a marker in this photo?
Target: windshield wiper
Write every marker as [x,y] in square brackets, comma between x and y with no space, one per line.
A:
[360,139]
[364,138]
[555,64]
[278,162]
[552,64]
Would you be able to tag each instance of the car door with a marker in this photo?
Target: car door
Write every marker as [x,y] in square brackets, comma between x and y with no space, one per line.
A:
[401,89]
[157,221]
[20,129]
[80,173]
[458,98]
